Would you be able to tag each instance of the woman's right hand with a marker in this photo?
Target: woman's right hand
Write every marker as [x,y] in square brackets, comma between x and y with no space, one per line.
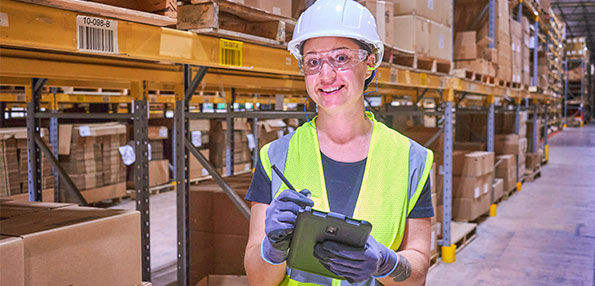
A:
[280,220]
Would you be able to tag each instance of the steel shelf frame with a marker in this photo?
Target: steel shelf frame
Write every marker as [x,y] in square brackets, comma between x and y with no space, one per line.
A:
[30,58]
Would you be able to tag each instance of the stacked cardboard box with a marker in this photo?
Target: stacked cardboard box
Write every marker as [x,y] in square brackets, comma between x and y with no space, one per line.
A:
[471,55]
[505,123]
[14,162]
[471,127]
[277,7]
[577,48]
[506,170]
[512,144]
[167,8]
[533,161]
[525,51]
[86,238]
[473,175]
[516,37]
[530,134]
[423,27]
[242,157]
[90,156]
[498,188]
[542,70]
[218,230]
[383,12]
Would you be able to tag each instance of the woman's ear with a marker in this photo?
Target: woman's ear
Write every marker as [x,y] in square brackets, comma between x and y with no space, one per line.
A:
[370,63]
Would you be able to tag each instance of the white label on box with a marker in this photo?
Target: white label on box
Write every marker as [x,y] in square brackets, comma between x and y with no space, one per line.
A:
[3,20]
[279,133]
[96,35]
[162,132]
[251,141]
[149,150]
[276,10]
[204,172]
[476,192]
[431,4]
[485,188]
[441,42]
[84,131]
[196,138]
[127,153]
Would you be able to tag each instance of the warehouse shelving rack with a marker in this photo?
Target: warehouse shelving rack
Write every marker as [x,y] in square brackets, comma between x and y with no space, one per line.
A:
[37,49]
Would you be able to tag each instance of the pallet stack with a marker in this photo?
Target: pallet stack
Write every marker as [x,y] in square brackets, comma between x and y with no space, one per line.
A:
[14,164]
[525,51]
[90,156]
[473,176]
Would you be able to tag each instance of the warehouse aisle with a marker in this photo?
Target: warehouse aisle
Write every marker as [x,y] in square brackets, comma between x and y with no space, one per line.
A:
[544,235]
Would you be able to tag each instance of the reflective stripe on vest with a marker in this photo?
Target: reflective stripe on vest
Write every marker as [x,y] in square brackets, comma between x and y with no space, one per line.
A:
[396,171]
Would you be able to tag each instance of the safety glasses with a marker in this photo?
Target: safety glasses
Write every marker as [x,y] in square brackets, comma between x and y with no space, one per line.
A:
[338,59]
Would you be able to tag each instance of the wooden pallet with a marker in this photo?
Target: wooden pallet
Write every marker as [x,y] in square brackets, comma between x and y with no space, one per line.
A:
[398,57]
[472,75]
[516,85]
[532,175]
[418,62]
[232,20]
[502,83]
[432,65]
[462,233]
[154,190]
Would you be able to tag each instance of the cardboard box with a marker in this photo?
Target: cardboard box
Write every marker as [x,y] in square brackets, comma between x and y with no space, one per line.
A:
[440,41]
[470,146]
[498,188]
[270,130]
[195,168]
[224,280]
[471,187]
[12,260]
[480,66]
[277,7]
[12,208]
[412,33]
[383,13]
[509,144]
[465,47]
[438,11]
[507,171]
[158,172]
[533,160]
[467,209]
[162,7]
[80,239]
[157,132]
[472,164]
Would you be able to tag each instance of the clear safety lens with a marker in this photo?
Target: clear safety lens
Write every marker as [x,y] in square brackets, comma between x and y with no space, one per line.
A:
[339,60]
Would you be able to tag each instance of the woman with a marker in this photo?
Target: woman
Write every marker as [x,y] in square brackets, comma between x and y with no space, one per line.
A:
[351,164]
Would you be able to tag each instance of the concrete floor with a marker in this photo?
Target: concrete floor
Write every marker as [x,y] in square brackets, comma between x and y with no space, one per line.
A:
[544,235]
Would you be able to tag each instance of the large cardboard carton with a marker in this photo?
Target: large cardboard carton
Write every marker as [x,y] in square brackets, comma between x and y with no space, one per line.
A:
[438,11]
[471,187]
[270,130]
[507,171]
[468,209]
[412,33]
[195,168]
[440,41]
[465,46]
[509,144]
[158,172]
[533,160]
[383,12]
[277,7]
[79,246]
[13,208]
[12,261]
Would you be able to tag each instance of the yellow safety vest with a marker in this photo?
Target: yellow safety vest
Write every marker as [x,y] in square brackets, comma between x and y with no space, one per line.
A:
[396,171]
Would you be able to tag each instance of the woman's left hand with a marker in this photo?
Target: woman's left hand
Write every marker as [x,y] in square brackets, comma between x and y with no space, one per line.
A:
[357,264]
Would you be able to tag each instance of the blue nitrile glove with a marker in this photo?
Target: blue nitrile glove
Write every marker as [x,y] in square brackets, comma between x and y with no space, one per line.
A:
[280,223]
[357,264]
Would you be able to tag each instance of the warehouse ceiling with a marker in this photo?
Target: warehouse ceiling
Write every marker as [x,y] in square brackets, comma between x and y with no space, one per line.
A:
[579,17]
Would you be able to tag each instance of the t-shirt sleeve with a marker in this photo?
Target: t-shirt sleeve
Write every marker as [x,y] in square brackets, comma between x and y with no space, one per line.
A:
[423,207]
[260,187]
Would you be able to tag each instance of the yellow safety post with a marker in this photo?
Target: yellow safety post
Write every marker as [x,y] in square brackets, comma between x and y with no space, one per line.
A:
[582,124]
[564,126]
[518,186]
[493,209]
[448,253]
[547,152]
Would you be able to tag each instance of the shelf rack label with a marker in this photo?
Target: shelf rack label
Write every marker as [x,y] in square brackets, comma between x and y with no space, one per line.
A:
[230,53]
[97,35]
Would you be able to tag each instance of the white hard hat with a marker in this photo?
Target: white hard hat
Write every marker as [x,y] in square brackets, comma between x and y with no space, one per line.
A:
[337,18]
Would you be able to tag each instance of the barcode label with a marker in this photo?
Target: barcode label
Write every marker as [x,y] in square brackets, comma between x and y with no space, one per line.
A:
[230,53]
[97,35]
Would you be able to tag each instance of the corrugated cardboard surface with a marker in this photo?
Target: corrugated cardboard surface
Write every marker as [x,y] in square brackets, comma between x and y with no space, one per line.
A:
[498,188]
[79,246]
[10,209]
[507,171]
[12,261]
[383,12]
[277,7]
[412,33]
[440,41]
[435,10]
[465,46]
